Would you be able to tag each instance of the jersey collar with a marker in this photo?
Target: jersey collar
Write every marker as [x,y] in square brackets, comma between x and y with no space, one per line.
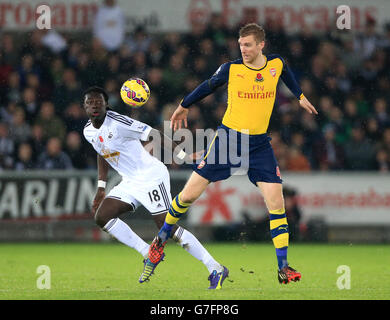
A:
[265,64]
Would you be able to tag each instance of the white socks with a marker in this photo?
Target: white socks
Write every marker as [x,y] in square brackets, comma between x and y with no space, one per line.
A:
[192,245]
[123,233]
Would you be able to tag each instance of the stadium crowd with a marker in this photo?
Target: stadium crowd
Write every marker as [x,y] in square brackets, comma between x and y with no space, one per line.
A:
[345,75]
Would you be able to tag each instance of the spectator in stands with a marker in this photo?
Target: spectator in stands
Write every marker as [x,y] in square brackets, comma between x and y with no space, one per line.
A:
[207,51]
[86,72]
[25,159]
[200,67]
[75,118]
[68,92]
[359,151]
[139,68]
[373,131]
[157,88]
[74,148]
[385,143]
[37,141]
[52,124]
[57,71]
[113,67]
[150,113]
[217,30]
[7,147]
[155,54]
[13,91]
[9,53]
[109,25]
[6,112]
[382,161]
[343,78]
[312,133]
[112,89]
[139,40]
[351,113]
[28,65]
[54,157]
[296,58]
[328,153]
[192,39]
[71,58]
[233,51]
[19,130]
[366,42]
[381,113]
[171,43]
[297,161]
[174,76]
[298,141]
[5,70]
[30,104]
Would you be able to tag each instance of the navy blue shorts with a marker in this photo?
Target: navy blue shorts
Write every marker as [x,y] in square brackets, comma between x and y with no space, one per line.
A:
[233,153]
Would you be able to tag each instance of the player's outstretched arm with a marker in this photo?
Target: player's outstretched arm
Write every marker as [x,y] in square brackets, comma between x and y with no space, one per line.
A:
[305,104]
[219,78]
[178,117]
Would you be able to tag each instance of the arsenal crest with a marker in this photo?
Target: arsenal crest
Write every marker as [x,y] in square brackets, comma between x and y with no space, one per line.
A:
[259,77]
[272,71]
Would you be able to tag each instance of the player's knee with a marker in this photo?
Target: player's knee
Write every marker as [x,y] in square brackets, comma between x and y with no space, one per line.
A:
[275,203]
[187,197]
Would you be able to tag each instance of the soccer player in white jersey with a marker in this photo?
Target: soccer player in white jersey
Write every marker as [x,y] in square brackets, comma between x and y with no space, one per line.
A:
[117,140]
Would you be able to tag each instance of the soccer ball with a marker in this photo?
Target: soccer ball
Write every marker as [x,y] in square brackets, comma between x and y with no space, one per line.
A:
[135,92]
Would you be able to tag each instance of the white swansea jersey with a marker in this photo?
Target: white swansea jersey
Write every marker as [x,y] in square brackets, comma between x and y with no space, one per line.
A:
[118,142]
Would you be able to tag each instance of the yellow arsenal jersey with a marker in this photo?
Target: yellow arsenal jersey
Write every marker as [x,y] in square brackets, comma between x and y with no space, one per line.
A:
[251,92]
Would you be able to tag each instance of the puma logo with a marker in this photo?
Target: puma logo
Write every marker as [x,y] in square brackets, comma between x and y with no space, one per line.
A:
[240,75]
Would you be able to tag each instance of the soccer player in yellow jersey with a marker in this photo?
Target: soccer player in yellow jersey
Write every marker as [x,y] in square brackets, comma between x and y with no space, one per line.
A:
[251,84]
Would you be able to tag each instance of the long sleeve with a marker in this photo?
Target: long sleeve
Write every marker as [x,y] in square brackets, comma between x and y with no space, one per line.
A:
[219,78]
[290,81]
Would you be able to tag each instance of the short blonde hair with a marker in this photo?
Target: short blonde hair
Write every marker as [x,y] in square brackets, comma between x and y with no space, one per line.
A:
[254,29]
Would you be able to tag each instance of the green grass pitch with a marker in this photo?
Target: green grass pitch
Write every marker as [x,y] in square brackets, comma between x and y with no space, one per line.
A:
[111,271]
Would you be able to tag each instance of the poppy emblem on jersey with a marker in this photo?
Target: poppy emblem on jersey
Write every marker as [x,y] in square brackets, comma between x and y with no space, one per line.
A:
[201,164]
[272,71]
[100,138]
[278,172]
[259,77]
